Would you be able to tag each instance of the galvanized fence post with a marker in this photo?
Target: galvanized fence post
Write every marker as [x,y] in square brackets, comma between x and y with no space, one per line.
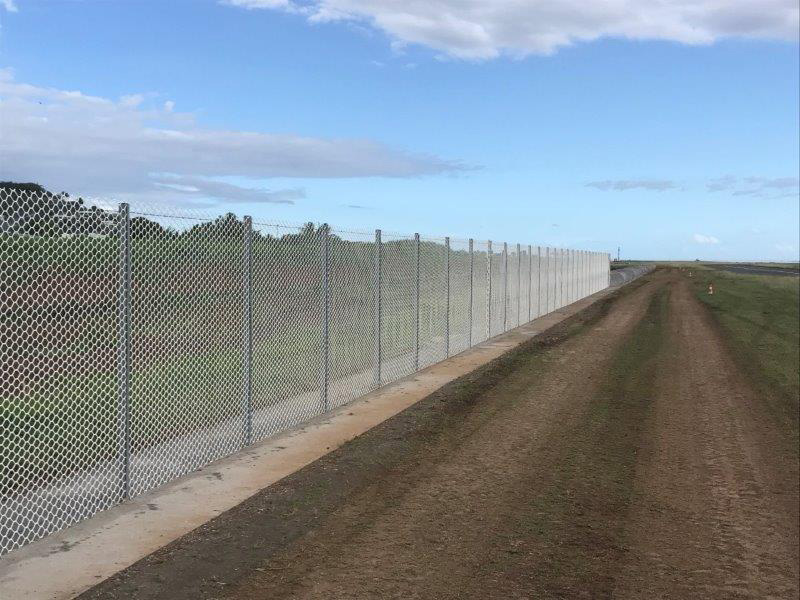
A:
[519,285]
[489,294]
[124,350]
[585,273]
[569,276]
[247,412]
[573,276]
[538,281]
[576,264]
[547,280]
[557,281]
[530,280]
[447,301]
[561,275]
[325,315]
[416,302]
[471,267]
[378,250]
[505,286]
[586,276]
[551,274]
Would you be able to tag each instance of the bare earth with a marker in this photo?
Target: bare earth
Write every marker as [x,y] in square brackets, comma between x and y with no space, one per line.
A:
[622,455]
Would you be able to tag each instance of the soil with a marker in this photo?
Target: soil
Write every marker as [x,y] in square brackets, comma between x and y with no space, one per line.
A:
[620,454]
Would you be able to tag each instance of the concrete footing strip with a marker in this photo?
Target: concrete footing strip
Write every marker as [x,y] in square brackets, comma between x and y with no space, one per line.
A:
[71,561]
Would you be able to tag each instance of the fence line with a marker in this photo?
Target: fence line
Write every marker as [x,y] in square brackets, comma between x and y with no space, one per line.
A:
[138,345]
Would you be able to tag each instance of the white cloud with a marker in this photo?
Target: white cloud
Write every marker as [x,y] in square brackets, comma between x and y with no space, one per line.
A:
[621,185]
[219,189]
[705,239]
[9,5]
[131,101]
[759,187]
[67,140]
[485,29]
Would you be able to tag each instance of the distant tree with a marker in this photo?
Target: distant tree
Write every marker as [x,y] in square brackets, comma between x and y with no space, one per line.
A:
[142,227]
[30,208]
[227,225]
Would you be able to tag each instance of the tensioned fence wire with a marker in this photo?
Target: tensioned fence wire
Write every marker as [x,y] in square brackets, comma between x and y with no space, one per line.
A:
[139,343]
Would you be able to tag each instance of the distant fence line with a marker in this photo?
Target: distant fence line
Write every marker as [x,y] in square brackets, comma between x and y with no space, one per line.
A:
[627,274]
[138,344]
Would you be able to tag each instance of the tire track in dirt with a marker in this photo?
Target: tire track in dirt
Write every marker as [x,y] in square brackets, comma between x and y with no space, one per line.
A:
[477,514]
[462,495]
[716,510]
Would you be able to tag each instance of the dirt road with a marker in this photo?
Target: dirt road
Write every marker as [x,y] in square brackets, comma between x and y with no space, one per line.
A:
[623,455]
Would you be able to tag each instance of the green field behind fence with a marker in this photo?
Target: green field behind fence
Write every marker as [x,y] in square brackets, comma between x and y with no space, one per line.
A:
[62,392]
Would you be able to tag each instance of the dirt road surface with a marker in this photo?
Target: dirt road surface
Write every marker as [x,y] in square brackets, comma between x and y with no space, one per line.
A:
[622,455]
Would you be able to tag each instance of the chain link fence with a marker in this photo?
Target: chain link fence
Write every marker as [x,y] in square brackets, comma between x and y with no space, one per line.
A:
[138,345]
[625,275]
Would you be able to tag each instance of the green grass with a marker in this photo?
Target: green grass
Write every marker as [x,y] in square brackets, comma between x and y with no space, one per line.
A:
[760,317]
[773,265]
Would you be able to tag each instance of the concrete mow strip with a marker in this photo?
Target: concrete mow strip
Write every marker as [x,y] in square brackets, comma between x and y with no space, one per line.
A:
[73,560]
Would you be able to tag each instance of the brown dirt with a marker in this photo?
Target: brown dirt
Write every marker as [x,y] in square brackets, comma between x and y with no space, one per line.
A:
[619,455]
[716,510]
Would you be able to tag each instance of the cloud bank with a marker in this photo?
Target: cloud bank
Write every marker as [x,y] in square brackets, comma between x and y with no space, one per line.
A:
[705,239]
[622,185]
[482,29]
[758,187]
[86,144]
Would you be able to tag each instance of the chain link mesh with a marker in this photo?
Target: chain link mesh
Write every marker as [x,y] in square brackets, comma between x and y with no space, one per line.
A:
[460,297]
[480,292]
[353,322]
[187,325]
[398,293]
[536,282]
[432,301]
[58,354]
[497,290]
[140,344]
[513,288]
[286,300]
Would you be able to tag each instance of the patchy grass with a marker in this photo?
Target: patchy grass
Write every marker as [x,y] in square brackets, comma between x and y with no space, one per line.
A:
[593,483]
[760,317]
[772,265]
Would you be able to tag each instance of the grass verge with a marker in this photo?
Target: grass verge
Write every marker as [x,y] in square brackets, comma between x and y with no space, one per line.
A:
[759,316]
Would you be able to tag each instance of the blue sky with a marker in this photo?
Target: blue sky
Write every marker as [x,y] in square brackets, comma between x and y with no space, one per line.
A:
[672,134]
